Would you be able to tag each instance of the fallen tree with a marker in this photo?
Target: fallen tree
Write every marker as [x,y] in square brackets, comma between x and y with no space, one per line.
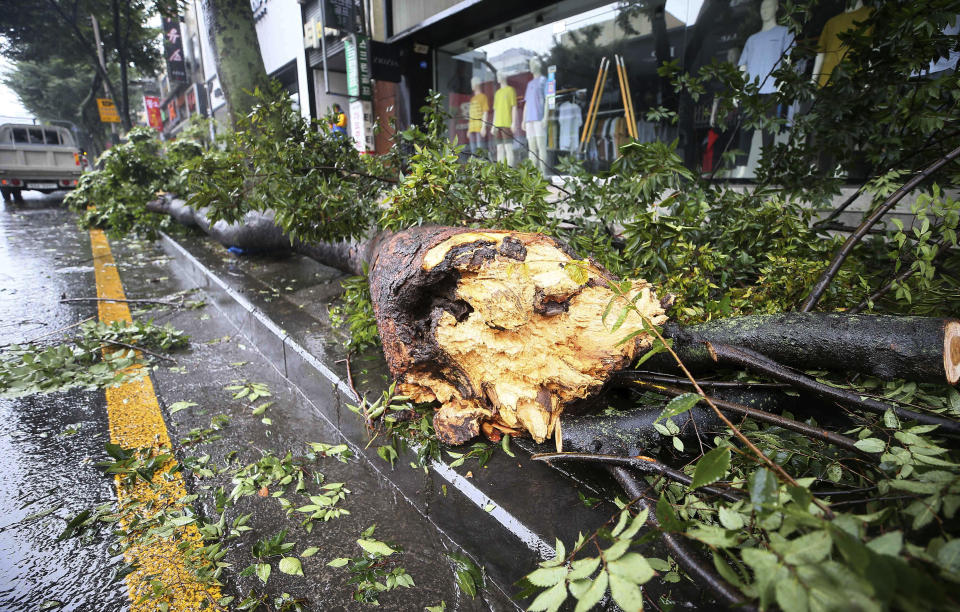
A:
[507,330]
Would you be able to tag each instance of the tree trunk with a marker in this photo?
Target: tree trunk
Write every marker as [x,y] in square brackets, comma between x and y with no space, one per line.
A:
[921,349]
[237,53]
[121,48]
[499,327]
[506,330]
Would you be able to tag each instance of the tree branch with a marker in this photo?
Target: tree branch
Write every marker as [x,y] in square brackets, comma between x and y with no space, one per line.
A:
[824,281]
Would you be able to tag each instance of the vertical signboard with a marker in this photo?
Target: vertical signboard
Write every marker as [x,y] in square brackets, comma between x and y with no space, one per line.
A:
[173,50]
[357,51]
[361,118]
[152,104]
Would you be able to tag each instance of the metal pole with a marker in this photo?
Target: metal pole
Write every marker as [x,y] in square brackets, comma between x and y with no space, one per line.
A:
[103,64]
[203,71]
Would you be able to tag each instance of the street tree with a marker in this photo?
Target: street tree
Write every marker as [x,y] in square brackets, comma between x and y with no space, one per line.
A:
[48,29]
[239,64]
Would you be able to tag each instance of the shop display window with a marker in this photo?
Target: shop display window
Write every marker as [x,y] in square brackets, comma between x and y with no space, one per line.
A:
[522,89]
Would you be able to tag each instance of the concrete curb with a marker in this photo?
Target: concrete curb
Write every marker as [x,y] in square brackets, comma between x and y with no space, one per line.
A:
[484,519]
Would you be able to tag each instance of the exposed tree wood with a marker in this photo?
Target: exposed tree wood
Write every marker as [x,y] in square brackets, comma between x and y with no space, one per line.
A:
[493,325]
[921,349]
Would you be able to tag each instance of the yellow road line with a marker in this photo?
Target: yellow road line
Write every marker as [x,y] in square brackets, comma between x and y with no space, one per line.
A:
[136,422]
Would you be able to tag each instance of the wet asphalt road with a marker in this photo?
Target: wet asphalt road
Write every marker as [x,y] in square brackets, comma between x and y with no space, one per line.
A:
[50,443]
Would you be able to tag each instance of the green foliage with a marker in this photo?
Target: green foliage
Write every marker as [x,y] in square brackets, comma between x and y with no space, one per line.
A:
[587,579]
[81,361]
[318,184]
[114,198]
[370,572]
[355,313]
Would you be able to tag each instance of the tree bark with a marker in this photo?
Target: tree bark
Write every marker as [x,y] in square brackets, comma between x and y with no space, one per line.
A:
[921,349]
[237,53]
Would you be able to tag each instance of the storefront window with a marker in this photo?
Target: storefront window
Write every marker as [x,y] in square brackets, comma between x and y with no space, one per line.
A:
[522,90]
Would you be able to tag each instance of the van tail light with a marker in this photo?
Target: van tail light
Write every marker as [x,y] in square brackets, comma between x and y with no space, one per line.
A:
[65,182]
[3,181]
[76,158]
[16,182]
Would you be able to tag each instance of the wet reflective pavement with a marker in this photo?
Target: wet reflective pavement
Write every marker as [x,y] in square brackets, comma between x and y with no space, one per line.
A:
[264,320]
[49,444]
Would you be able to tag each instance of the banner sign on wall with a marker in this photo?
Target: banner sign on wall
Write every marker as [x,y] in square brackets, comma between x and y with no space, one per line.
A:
[357,50]
[173,50]
[152,104]
[361,125]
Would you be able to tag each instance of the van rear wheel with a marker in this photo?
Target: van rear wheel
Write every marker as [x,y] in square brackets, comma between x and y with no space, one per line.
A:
[7,194]
[18,196]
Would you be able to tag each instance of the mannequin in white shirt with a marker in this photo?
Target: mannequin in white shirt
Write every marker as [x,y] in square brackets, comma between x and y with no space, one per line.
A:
[534,108]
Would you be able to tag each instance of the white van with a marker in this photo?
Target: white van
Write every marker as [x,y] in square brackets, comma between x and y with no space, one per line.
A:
[38,157]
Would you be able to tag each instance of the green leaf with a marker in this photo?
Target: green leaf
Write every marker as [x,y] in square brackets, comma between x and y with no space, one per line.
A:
[730,519]
[627,594]
[712,467]
[949,556]
[547,576]
[263,572]
[339,562]
[791,597]
[551,599]
[871,445]
[375,547]
[633,566]
[679,405]
[291,565]
[178,406]
[309,552]
[763,487]
[594,594]
[888,544]
[583,568]
[813,547]
[558,558]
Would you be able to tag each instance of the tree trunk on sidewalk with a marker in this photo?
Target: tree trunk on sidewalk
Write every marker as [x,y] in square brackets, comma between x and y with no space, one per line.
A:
[237,52]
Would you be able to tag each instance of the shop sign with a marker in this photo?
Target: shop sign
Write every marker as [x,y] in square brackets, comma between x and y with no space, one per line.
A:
[152,104]
[385,62]
[310,35]
[361,125]
[173,50]
[344,15]
[108,112]
[357,50]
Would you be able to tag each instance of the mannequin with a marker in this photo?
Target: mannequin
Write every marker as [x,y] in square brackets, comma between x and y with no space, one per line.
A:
[479,117]
[533,111]
[831,48]
[761,56]
[763,51]
[504,118]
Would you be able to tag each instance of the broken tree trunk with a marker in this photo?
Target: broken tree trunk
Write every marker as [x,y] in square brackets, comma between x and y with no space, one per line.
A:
[499,327]
[505,330]
[920,349]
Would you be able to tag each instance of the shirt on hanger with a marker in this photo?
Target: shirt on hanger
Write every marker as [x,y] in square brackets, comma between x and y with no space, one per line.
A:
[762,53]
[503,102]
[533,99]
[570,117]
